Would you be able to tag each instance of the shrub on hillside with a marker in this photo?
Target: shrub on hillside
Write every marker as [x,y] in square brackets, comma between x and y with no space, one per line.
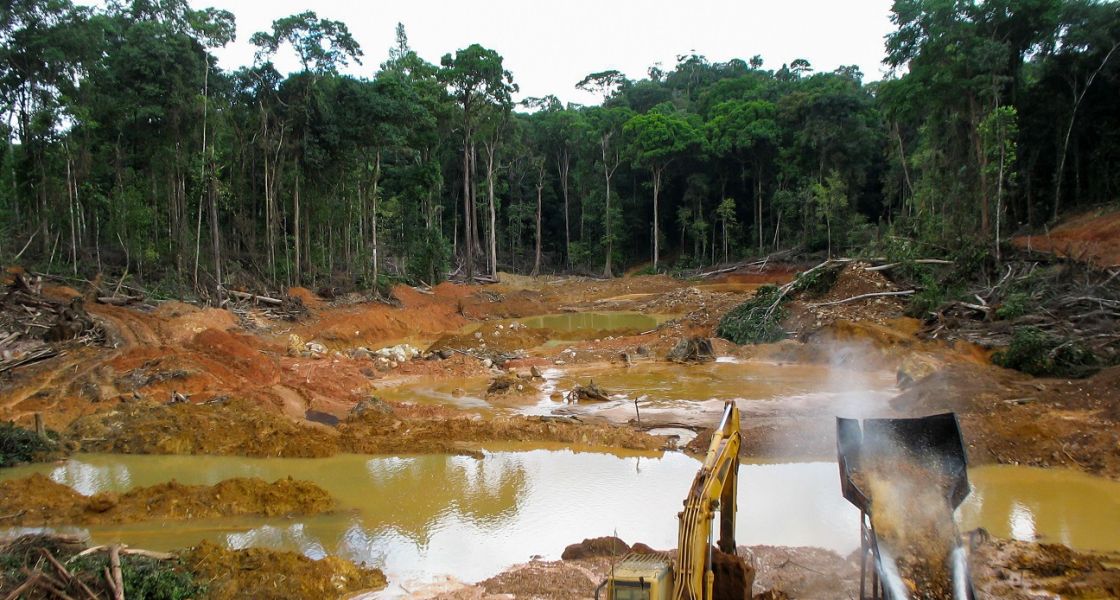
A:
[752,322]
[1038,353]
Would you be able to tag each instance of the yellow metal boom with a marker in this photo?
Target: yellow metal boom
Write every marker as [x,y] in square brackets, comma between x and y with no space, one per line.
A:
[713,489]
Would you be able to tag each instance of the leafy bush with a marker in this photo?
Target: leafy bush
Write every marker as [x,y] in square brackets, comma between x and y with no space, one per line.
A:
[1016,304]
[931,295]
[146,577]
[752,322]
[1038,353]
[19,445]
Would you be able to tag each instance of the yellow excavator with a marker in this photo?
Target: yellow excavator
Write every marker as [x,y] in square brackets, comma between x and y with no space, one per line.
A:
[698,571]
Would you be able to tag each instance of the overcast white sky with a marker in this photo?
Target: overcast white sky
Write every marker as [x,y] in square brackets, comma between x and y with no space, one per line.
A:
[549,46]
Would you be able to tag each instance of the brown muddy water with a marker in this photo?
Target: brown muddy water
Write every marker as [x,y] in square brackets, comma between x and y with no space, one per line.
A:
[424,518]
[686,394]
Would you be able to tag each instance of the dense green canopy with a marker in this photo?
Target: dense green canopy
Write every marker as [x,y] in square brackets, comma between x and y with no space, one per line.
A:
[129,149]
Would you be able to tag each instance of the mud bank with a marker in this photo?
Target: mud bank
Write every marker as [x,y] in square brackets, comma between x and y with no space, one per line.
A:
[36,501]
[242,429]
[1003,569]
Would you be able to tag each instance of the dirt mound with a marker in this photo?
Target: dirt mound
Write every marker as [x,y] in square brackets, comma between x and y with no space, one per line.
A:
[375,323]
[237,352]
[306,296]
[36,501]
[271,574]
[559,580]
[1092,237]
[803,572]
[373,433]
[601,546]
[511,384]
[1042,570]
[243,429]
[188,324]
[813,308]
[234,428]
[493,340]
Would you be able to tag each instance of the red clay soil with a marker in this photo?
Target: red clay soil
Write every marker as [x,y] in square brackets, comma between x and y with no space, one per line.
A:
[37,501]
[1093,237]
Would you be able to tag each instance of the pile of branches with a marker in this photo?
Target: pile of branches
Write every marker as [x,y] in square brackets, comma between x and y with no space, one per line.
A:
[287,308]
[34,327]
[1061,318]
[60,566]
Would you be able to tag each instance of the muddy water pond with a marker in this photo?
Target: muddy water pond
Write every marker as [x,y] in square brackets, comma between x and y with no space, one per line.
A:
[687,394]
[420,518]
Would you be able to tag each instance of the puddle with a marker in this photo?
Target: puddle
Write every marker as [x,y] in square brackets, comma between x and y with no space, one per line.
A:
[683,436]
[421,518]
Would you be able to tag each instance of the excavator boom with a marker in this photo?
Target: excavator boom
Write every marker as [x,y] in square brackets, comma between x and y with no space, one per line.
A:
[691,576]
[714,488]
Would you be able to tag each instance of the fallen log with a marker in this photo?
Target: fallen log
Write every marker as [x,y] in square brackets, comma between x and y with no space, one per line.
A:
[919,261]
[119,300]
[255,298]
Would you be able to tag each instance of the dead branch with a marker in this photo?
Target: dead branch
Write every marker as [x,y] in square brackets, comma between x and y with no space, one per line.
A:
[118,579]
[919,261]
[863,296]
[123,549]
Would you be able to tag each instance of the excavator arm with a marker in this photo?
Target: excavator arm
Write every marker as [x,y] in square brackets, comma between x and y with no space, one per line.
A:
[714,488]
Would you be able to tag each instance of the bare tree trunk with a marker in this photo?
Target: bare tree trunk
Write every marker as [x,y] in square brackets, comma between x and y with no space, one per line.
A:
[296,229]
[656,232]
[564,165]
[202,174]
[1077,98]
[73,229]
[540,191]
[982,166]
[215,237]
[608,172]
[373,222]
[468,245]
[758,201]
[491,148]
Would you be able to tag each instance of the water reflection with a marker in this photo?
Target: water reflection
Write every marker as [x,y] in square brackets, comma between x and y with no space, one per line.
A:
[423,517]
[88,479]
[1050,505]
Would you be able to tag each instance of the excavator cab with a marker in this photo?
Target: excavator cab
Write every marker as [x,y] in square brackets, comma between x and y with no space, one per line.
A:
[642,577]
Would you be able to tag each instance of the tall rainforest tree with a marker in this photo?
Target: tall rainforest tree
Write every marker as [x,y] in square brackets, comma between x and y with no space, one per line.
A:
[128,150]
[478,82]
[656,140]
[322,46]
[746,130]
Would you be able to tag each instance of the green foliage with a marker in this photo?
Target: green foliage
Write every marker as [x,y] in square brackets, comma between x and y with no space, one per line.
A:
[1038,353]
[753,322]
[1016,304]
[146,578]
[817,283]
[932,293]
[123,132]
[19,445]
